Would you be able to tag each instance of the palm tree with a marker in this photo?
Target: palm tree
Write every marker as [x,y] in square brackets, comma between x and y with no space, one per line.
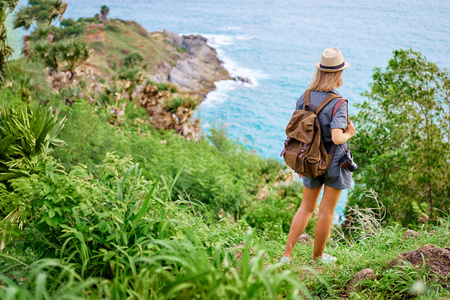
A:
[57,10]
[104,11]
[6,7]
[74,53]
[26,49]
[48,54]
[24,18]
[41,12]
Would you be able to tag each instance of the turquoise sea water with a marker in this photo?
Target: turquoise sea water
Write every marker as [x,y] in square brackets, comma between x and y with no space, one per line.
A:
[277,43]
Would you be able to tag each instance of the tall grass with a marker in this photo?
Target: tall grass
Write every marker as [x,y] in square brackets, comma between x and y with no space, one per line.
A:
[121,237]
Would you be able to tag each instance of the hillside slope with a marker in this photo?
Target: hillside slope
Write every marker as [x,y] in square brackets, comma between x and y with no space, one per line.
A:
[186,61]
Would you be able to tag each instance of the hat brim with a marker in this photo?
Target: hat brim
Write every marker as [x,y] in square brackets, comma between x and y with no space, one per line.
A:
[347,64]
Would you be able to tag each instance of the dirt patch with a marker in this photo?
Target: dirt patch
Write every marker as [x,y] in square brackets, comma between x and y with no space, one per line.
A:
[435,258]
[306,239]
[411,234]
[360,276]
[239,252]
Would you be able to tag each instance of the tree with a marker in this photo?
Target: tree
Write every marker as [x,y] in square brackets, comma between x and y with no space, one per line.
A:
[6,7]
[403,141]
[104,11]
[48,54]
[74,53]
[42,12]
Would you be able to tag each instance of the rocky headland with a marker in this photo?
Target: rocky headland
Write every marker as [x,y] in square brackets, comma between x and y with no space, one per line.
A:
[197,66]
[188,62]
[165,73]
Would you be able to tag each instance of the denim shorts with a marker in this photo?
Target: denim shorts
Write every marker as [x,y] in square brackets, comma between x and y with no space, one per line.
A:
[335,177]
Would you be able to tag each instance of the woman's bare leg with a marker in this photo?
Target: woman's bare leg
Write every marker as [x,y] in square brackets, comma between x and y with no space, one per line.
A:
[298,225]
[325,221]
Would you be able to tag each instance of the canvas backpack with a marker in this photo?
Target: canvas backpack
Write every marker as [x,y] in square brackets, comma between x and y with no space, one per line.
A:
[304,151]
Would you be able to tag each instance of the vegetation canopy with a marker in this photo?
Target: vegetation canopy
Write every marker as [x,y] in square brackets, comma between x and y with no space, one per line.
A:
[110,190]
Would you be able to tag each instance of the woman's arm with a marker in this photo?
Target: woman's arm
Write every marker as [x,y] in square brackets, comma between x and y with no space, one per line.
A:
[339,136]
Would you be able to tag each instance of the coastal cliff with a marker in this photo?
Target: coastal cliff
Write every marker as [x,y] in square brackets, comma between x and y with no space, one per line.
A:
[186,61]
[124,64]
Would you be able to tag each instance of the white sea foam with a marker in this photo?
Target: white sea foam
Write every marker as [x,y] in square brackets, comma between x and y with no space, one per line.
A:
[245,37]
[217,40]
[237,28]
[220,94]
[223,87]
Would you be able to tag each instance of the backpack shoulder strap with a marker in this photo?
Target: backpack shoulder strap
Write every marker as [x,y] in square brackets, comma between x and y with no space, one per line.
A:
[336,107]
[325,101]
[306,98]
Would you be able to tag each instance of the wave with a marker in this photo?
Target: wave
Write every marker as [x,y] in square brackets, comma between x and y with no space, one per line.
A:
[220,94]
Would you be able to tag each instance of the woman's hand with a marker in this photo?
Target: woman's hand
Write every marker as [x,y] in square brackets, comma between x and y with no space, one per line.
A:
[339,136]
[350,130]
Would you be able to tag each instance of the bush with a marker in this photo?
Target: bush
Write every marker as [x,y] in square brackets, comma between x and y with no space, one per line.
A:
[220,179]
[278,208]
[27,137]
[402,143]
[173,103]
[120,227]
[133,60]
[112,28]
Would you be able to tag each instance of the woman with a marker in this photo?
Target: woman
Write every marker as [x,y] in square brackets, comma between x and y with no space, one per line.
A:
[334,131]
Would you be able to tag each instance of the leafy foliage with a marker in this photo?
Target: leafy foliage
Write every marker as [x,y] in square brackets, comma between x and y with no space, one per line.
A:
[223,179]
[175,102]
[122,228]
[133,60]
[73,53]
[6,7]
[403,140]
[27,137]
[42,12]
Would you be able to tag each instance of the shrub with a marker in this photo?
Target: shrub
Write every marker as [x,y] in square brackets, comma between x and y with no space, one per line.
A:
[188,102]
[133,60]
[278,208]
[121,227]
[27,137]
[112,28]
[402,143]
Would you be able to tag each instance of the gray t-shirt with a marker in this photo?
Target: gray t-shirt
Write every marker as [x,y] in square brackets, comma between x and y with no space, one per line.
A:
[326,124]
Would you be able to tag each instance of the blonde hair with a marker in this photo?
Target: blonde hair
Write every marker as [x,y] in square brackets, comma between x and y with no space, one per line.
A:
[326,81]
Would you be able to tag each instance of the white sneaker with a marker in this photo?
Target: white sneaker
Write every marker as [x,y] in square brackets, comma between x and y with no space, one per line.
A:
[327,259]
[285,260]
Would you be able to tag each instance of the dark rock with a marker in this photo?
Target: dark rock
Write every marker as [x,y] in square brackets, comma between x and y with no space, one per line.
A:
[360,276]
[244,79]
[411,233]
[436,259]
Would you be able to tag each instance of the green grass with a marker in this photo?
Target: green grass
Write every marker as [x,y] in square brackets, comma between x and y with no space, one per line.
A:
[122,36]
[170,223]
[130,212]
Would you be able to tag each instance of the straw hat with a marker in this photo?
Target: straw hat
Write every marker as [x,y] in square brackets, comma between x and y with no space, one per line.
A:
[332,61]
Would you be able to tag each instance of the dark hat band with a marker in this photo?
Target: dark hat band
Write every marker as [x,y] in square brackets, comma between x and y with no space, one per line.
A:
[333,67]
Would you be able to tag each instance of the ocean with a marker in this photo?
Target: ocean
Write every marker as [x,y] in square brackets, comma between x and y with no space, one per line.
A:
[276,44]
